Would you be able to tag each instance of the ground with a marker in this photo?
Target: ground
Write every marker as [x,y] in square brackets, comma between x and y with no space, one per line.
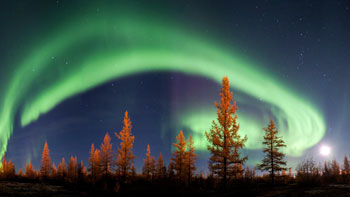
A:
[18,188]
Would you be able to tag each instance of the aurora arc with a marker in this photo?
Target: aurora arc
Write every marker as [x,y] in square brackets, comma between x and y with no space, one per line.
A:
[137,46]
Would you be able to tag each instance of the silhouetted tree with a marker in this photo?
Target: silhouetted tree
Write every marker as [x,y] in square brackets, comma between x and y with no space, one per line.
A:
[45,167]
[125,153]
[224,139]
[273,161]
[346,169]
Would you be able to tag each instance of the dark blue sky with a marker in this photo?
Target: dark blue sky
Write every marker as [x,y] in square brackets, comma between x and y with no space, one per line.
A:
[306,44]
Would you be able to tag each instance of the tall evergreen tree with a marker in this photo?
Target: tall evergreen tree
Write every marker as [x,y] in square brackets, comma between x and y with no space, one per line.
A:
[125,153]
[106,155]
[160,168]
[179,156]
[190,159]
[45,167]
[224,140]
[273,161]
[149,164]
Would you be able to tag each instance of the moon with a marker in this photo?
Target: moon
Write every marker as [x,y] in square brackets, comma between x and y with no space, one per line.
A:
[325,150]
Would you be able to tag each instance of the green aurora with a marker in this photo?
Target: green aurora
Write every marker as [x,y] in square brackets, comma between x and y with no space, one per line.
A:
[139,45]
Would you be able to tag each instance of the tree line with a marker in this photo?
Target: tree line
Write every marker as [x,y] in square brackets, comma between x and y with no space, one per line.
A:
[226,163]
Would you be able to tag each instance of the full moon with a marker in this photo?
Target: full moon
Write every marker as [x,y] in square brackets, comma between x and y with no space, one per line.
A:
[325,150]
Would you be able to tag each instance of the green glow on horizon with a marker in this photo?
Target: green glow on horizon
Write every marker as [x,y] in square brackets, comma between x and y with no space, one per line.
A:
[141,45]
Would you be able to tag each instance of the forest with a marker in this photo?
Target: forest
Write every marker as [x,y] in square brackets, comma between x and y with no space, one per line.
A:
[110,171]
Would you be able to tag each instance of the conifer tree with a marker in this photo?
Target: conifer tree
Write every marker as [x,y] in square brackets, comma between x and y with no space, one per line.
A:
[20,173]
[273,161]
[92,166]
[53,171]
[346,169]
[224,140]
[106,155]
[97,159]
[30,172]
[7,169]
[61,168]
[346,165]
[72,168]
[179,156]
[45,167]
[160,168]
[125,153]
[149,164]
[190,159]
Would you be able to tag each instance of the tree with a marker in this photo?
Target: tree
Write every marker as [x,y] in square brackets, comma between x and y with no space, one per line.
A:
[61,168]
[274,157]
[346,169]
[97,164]
[30,172]
[106,155]
[149,164]
[45,167]
[190,159]
[160,168]
[179,156]
[224,139]
[7,169]
[72,168]
[54,171]
[92,167]
[125,153]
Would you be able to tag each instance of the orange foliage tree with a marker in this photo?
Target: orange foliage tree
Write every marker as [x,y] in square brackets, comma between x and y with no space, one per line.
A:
[179,156]
[160,168]
[149,164]
[61,168]
[30,172]
[125,153]
[106,155]
[72,168]
[190,159]
[7,169]
[224,140]
[45,167]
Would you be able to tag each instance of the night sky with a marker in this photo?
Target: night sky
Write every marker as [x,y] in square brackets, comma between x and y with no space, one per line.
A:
[70,69]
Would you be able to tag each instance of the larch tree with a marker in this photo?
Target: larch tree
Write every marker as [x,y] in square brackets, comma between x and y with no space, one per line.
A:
[61,168]
[224,140]
[7,169]
[20,173]
[45,167]
[125,152]
[30,172]
[106,155]
[190,159]
[92,167]
[346,169]
[54,171]
[160,168]
[273,161]
[72,168]
[97,160]
[179,156]
[149,164]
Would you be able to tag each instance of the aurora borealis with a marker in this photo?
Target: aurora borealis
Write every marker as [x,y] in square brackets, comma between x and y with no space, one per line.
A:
[86,50]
